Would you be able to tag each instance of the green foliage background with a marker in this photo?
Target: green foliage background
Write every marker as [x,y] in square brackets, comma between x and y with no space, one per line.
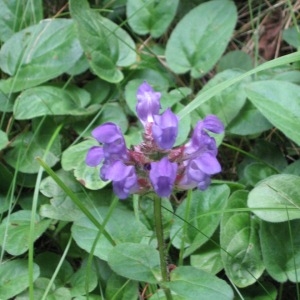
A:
[69,66]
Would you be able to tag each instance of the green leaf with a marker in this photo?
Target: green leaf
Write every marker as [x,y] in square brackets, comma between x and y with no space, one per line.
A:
[27,146]
[61,207]
[279,102]
[78,281]
[228,104]
[7,102]
[122,226]
[120,288]
[239,241]
[150,16]
[73,158]
[14,277]
[292,36]
[48,262]
[50,100]
[286,59]
[3,140]
[5,203]
[277,198]
[191,283]
[200,38]
[279,243]
[16,15]
[99,90]
[15,230]
[39,288]
[51,189]
[208,258]
[236,60]
[261,291]
[113,112]
[107,46]
[249,121]
[110,112]
[293,168]
[270,153]
[6,178]
[39,53]
[199,213]
[135,261]
[255,172]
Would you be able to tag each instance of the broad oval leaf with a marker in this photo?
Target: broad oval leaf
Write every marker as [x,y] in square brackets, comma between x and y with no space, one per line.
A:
[208,258]
[30,145]
[14,277]
[106,45]
[279,243]
[152,16]
[15,230]
[277,198]
[50,100]
[39,53]
[135,261]
[122,227]
[256,171]
[279,102]
[198,211]
[200,38]
[249,121]
[191,283]
[239,241]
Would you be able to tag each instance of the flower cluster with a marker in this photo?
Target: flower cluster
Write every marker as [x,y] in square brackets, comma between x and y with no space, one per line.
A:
[155,164]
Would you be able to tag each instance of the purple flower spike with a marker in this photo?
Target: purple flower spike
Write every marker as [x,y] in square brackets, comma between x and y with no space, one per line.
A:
[162,176]
[148,103]
[94,156]
[213,124]
[123,177]
[165,129]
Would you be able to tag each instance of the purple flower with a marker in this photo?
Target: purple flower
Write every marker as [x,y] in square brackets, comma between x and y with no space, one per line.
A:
[94,156]
[200,153]
[148,103]
[162,176]
[138,170]
[201,168]
[165,129]
[201,141]
[110,135]
[187,183]
[123,177]
[213,123]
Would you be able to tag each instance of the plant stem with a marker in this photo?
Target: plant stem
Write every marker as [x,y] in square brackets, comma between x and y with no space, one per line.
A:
[160,241]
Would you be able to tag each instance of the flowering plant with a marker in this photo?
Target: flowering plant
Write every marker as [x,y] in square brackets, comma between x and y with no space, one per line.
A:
[155,164]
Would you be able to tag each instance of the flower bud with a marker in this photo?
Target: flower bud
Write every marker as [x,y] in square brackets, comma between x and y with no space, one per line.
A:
[148,104]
